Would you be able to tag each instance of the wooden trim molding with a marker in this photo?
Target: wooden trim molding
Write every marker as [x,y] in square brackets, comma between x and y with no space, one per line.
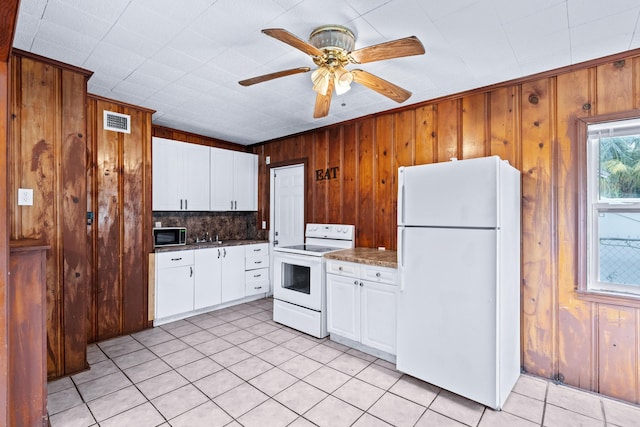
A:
[582,274]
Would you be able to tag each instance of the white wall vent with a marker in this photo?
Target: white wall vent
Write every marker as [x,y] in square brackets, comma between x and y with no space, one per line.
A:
[117,122]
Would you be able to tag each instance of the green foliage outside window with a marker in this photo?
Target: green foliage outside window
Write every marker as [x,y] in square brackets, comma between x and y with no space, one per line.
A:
[620,167]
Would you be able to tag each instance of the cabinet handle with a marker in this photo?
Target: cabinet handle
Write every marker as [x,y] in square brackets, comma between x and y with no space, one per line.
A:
[355,282]
[235,205]
[176,259]
[190,271]
[257,262]
[185,205]
[378,274]
[224,253]
[340,268]
[257,250]
[361,284]
[218,253]
[257,287]
[257,275]
[232,205]
[180,204]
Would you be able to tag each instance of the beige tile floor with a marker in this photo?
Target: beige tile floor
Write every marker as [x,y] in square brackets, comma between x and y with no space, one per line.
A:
[237,367]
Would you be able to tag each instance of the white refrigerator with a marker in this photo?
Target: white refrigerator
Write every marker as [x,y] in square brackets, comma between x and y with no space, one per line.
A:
[459,262]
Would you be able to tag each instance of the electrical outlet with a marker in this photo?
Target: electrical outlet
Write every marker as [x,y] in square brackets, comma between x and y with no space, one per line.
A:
[268,160]
[25,197]
[264,225]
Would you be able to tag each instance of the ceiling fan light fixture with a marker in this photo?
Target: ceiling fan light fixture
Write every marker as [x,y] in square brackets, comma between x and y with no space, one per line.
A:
[320,78]
[342,80]
[333,37]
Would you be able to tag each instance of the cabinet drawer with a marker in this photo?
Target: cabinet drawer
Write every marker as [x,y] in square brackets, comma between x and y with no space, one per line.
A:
[253,262]
[256,275]
[256,250]
[252,288]
[379,274]
[174,259]
[343,268]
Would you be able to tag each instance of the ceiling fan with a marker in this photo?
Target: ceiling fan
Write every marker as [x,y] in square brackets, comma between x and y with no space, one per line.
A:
[331,48]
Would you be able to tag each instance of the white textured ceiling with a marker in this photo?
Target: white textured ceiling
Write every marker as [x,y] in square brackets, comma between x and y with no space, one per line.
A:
[184,58]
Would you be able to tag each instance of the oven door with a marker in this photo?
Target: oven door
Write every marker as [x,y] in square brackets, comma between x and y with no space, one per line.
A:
[298,279]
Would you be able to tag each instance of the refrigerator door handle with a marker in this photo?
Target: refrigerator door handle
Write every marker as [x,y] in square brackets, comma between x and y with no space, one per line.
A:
[401,197]
[401,256]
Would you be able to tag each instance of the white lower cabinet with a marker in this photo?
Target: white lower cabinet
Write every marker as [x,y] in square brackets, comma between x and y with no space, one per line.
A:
[361,304]
[232,273]
[256,269]
[208,280]
[174,283]
[189,281]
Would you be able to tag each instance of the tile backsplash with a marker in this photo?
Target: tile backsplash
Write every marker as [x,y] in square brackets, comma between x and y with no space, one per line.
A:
[226,225]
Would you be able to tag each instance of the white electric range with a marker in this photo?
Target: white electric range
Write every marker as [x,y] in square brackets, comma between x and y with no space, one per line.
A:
[299,294]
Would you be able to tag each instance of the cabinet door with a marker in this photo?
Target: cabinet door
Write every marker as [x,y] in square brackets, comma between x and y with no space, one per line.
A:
[195,177]
[208,269]
[166,176]
[221,179]
[233,284]
[245,184]
[378,320]
[343,306]
[174,291]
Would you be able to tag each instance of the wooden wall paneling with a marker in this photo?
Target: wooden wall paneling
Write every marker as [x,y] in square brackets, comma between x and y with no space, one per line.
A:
[73,220]
[36,168]
[425,134]
[503,124]
[636,85]
[136,221]
[474,126]
[108,216]
[349,173]
[92,190]
[615,87]
[386,188]
[618,351]
[318,208]
[448,128]
[335,200]
[576,361]
[4,232]
[538,294]
[366,224]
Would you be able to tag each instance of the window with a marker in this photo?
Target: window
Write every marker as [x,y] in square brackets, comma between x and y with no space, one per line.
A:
[613,207]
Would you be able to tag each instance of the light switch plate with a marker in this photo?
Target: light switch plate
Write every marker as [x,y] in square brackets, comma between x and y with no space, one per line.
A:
[25,197]
[268,160]
[264,225]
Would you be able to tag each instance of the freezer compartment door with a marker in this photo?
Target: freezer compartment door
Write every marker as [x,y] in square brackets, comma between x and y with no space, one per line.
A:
[447,317]
[450,194]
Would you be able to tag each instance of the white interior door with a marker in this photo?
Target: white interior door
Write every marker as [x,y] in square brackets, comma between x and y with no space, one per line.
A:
[287,205]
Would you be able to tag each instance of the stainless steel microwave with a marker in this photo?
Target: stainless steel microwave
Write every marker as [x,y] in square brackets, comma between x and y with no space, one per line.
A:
[169,236]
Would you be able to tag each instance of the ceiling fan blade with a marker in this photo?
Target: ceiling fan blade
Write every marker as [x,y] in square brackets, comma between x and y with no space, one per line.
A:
[293,40]
[381,86]
[271,76]
[323,102]
[407,46]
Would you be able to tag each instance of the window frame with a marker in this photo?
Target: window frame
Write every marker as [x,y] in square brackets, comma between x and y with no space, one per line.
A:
[610,293]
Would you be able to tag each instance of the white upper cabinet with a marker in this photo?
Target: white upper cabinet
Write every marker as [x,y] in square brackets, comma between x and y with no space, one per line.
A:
[180,176]
[234,180]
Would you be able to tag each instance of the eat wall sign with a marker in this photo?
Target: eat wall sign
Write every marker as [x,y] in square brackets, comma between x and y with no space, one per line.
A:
[326,174]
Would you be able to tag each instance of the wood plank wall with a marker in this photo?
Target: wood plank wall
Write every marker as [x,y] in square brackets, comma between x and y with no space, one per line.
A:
[178,135]
[119,240]
[48,154]
[532,123]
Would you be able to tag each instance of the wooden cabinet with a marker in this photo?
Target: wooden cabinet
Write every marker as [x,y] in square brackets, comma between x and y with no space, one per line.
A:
[174,283]
[26,321]
[234,180]
[361,304]
[256,269]
[180,176]
[208,280]
[232,276]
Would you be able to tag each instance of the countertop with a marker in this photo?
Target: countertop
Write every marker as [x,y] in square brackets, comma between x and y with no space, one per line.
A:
[203,245]
[367,256]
